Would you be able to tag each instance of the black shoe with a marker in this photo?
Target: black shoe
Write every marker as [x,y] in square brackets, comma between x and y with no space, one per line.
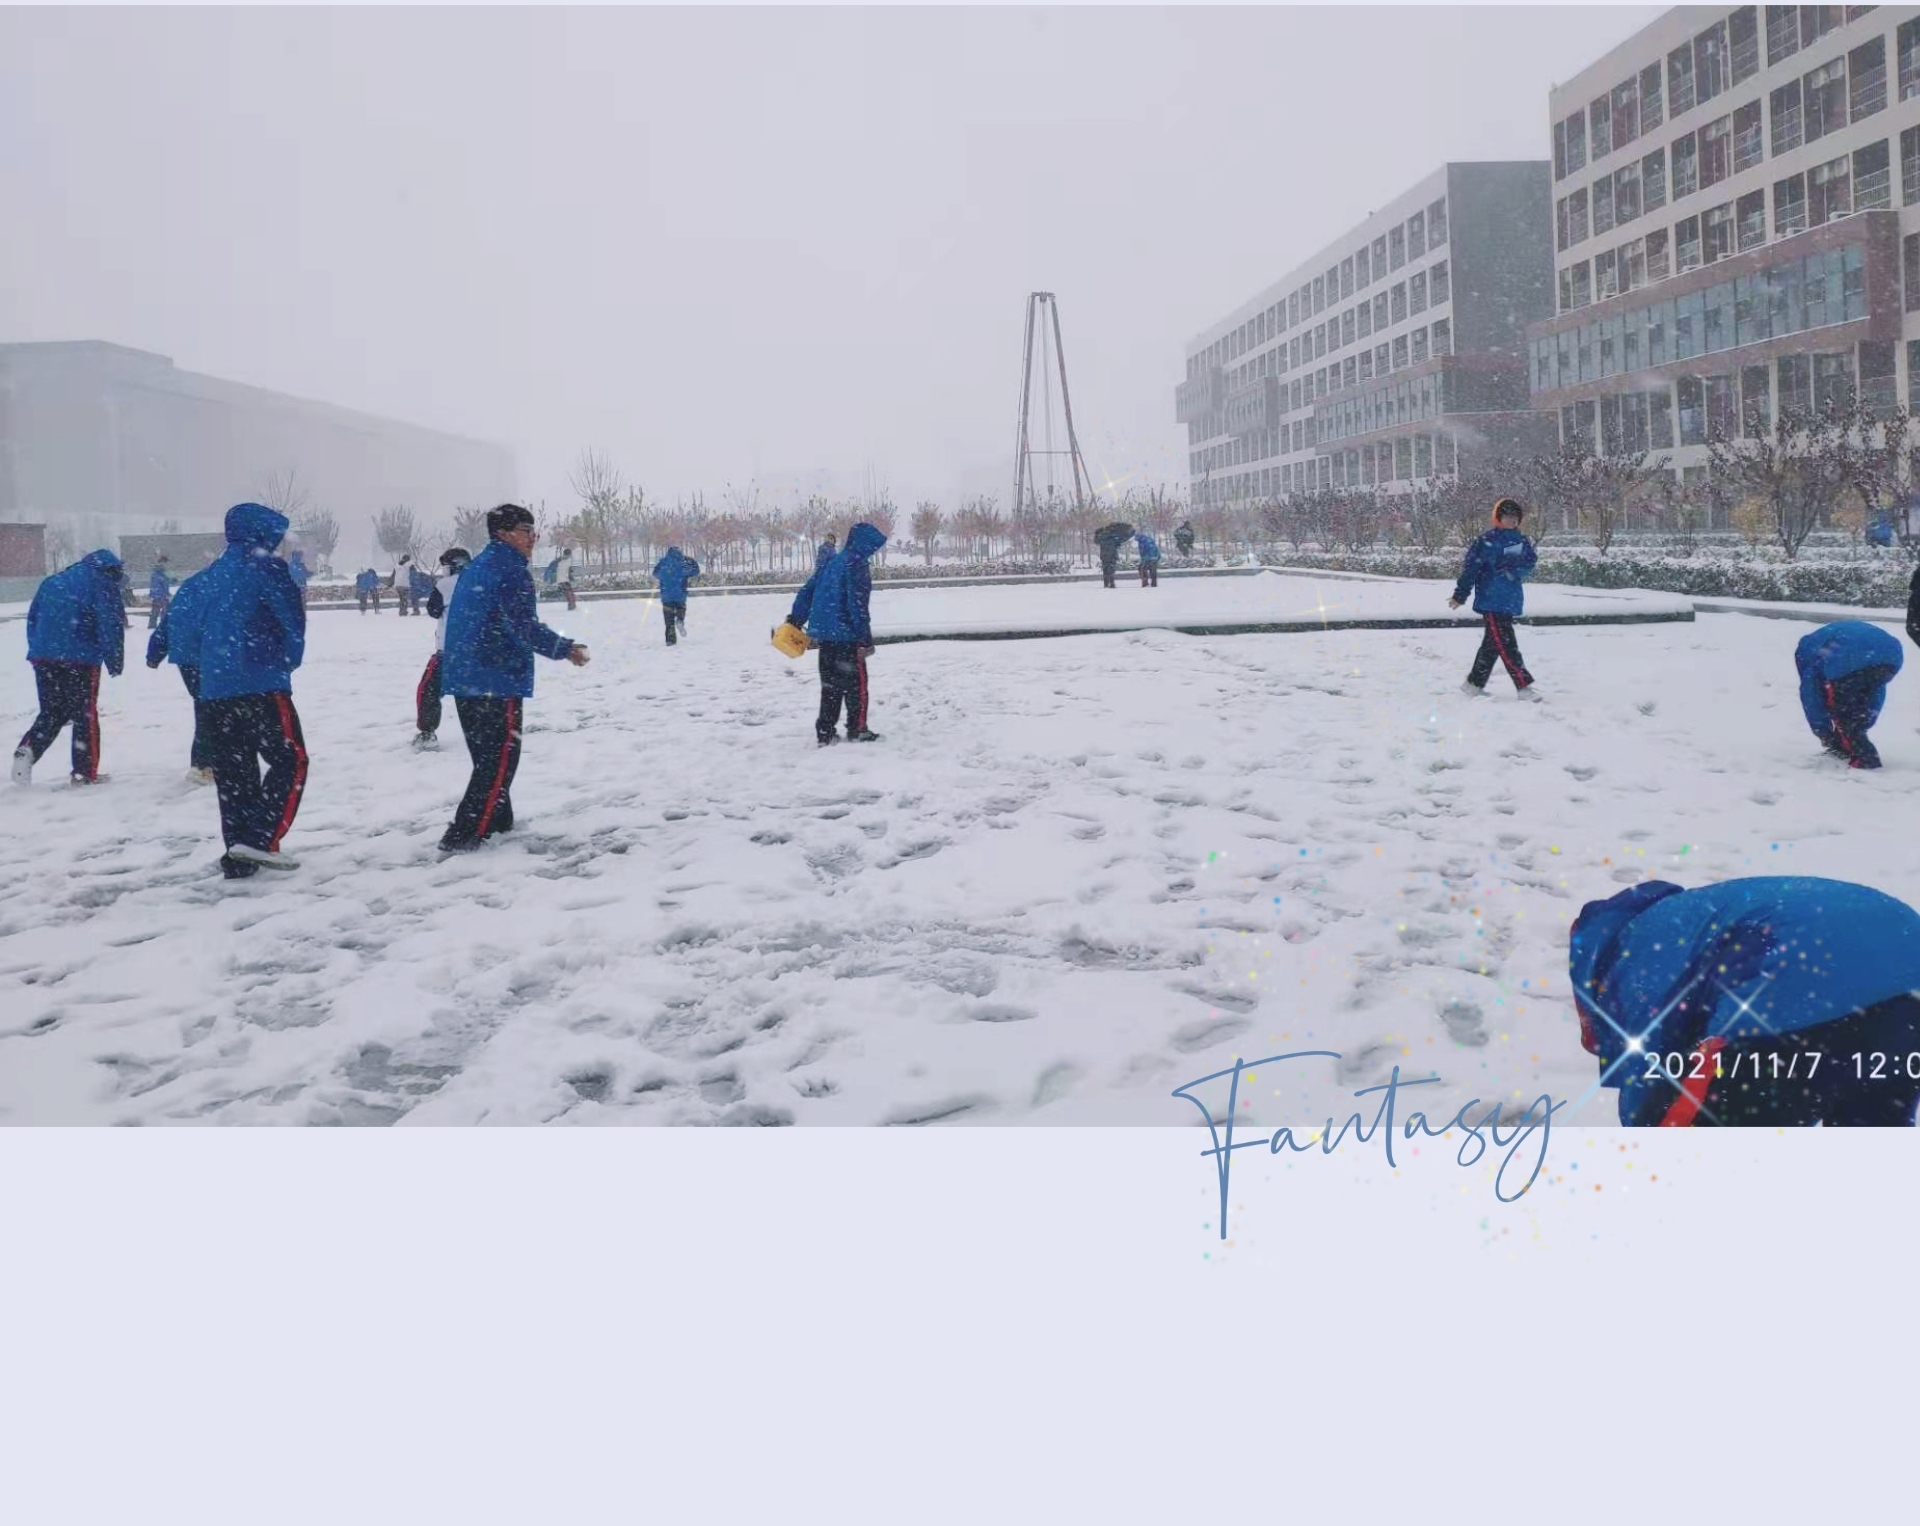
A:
[237,869]
[862,736]
[828,740]
[452,844]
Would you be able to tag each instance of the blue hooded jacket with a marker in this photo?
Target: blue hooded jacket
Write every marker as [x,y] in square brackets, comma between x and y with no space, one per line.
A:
[159,586]
[672,572]
[252,623]
[491,630]
[176,639]
[842,591]
[1149,547]
[1496,563]
[298,570]
[77,615]
[1741,960]
[419,581]
[366,582]
[1837,651]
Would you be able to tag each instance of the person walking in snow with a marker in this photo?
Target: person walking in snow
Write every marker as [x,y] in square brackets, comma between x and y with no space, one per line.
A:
[1109,539]
[426,696]
[563,576]
[1708,1007]
[1844,671]
[159,590]
[1494,569]
[176,639]
[673,572]
[825,552]
[250,631]
[1183,538]
[76,625]
[403,586]
[1149,560]
[834,606]
[492,636]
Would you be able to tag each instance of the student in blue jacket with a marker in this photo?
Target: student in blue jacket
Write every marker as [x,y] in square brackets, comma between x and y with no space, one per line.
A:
[1496,566]
[492,636]
[367,586]
[75,626]
[834,605]
[249,628]
[176,639]
[159,590]
[1775,1000]
[673,572]
[1149,560]
[1844,671]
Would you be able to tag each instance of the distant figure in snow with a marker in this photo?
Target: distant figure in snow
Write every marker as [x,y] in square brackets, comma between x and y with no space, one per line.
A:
[1183,538]
[1149,560]
[75,626]
[563,575]
[673,572]
[159,590]
[1109,539]
[402,581]
[1844,671]
[420,585]
[177,640]
[297,570]
[825,552]
[834,607]
[1495,567]
[492,636]
[367,585]
[1709,1006]
[249,629]
[426,697]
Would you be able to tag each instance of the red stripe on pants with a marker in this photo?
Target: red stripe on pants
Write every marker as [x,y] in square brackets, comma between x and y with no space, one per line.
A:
[860,667]
[1693,1091]
[500,774]
[93,727]
[299,772]
[1833,720]
[420,690]
[1506,657]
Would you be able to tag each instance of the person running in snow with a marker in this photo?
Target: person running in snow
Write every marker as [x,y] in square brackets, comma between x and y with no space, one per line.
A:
[1149,560]
[250,631]
[492,636]
[825,552]
[834,607]
[1183,538]
[159,590]
[1109,539]
[1494,569]
[367,585]
[176,639]
[402,581]
[1844,671]
[76,625]
[1709,1006]
[297,570]
[673,572]
[426,697]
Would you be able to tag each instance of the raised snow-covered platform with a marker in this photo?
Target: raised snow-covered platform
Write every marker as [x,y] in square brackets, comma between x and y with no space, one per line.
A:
[1268,602]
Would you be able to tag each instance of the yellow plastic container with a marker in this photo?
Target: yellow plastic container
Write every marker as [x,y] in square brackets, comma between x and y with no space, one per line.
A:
[791,640]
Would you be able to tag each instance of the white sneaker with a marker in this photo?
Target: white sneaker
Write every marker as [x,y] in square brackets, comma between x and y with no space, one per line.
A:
[1533,694]
[199,776]
[1473,691]
[260,856]
[23,765]
[81,781]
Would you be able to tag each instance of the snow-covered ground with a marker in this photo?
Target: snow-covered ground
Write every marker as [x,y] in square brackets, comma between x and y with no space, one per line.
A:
[1077,873]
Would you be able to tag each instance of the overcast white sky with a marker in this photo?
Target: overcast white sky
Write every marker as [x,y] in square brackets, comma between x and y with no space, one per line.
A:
[721,242]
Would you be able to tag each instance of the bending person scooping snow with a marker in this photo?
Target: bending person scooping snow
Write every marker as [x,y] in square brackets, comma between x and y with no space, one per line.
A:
[1494,569]
[1844,671]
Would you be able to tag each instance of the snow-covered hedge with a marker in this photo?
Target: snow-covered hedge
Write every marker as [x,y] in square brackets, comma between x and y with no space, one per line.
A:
[789,577]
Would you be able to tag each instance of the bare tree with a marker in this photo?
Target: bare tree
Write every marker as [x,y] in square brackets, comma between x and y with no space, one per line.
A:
[286,493]
[927,520]
[319,529]
[397,531]
[1798,474]
[470,529]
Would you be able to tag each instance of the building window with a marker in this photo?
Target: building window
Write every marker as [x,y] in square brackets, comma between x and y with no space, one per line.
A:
[1867,74]
[1400,353]
[1416,235]
[1600,128]
[1364,325]
[1686,238]
[1396,247]
[1443,337]
[1823,92]
[1756,404]
[1832,379]
[1723,411]
[1380,257]
[1582,284]
[1653,180]
[1365,372]
[1784,111]
[1603,204]
[1829,191]
[1381,363]
[1380,311]
[1716,151]
[1657,268]
[1749,145]
[1347,333]
[1751,214]
[1577,217]
[1783,33]
[1686,167]
[1913,376]
[1743,43]
[1818,20]
[1872,178]
[1710,63]
[1606,282]
[1439,283]
[1319,293]
[1906,42]
[1293,308]
[1910,166]
[1349,372]
[1560,238]
[1423,455]
[1789,206]
[1417,293]
[1346,277]
[1660,419]
[1878,388]
[1693,415]
[1910,271]
[1418,340]
[1399,301]
[1437,223]
[1633,265]
[1626,194]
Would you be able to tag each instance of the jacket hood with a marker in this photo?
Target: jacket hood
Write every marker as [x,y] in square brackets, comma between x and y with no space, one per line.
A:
[1597,930]
[865,539]
[254,524]
[673,551]
[103,560]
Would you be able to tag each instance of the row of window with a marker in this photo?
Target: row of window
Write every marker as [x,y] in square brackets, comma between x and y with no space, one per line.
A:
[1802,111]
[1407,459]
[1423,231]
[1857,182]
[1723,57]
[1789,298]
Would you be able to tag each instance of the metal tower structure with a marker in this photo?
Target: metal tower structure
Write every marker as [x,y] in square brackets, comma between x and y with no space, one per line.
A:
[1041,306]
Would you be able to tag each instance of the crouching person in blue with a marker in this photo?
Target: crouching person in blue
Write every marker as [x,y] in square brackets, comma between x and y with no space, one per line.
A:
[491,637]
[176,639]
[673,572]
[1494,571]
[1149,560]
[75,626]
[1844,671]
[249,627]
[835,606]
[1775,1000]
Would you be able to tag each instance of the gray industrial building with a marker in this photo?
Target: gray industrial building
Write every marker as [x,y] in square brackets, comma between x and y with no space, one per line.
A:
[118,441]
